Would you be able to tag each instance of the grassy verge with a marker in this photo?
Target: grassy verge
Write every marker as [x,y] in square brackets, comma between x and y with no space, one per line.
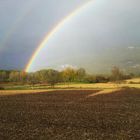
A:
[71,86]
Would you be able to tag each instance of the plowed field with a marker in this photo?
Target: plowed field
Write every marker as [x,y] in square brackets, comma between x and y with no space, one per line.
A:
[71,115]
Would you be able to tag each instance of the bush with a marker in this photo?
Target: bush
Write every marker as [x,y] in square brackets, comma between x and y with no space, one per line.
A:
[90,79]
[102,79]
[1,88]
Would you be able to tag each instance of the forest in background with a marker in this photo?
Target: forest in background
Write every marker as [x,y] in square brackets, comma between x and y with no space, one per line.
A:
[68,75]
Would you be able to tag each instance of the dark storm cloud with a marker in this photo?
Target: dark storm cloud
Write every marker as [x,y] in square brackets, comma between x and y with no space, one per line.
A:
[23,24]
[107,33]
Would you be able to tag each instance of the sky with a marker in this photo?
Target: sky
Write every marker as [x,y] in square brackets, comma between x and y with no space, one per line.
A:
[104,34]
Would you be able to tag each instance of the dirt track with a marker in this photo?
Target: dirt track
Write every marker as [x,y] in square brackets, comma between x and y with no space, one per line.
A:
[69,115]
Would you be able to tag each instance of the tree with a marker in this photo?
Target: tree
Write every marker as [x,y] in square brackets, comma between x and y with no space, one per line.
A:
[102,79]
[14,76]
[116,75]
[3,76]
[41,76]
[22,76]
[80,75]
[52,77]
[69,75]
[32,79]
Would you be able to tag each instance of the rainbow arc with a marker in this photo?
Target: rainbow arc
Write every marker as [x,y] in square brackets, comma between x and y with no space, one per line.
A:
[53,31]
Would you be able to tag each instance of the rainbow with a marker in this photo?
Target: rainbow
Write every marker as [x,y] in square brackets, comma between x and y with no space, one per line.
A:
[53,31]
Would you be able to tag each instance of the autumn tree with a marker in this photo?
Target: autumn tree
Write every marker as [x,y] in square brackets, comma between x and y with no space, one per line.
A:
[69,75]
[80,75]
[31,78]
[52,77]
[3,76]
[41,76]
[14,76]
[116,74]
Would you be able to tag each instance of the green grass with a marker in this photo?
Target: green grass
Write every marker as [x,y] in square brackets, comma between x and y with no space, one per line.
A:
[71,86]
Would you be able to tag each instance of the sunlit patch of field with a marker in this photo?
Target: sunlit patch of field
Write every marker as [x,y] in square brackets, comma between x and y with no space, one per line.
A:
[105,91]
[131,85]
[133,81]
[14,92]
[27,89]
[101,86]
[20,92]
[90,86]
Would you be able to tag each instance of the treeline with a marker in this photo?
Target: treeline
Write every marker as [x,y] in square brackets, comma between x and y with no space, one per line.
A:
[51,76]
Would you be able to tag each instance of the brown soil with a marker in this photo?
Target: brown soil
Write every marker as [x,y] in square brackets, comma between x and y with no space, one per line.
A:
[70,115]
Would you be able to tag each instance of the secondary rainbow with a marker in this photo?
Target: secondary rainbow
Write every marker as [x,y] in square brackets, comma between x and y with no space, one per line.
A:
[27,10]
[54,30]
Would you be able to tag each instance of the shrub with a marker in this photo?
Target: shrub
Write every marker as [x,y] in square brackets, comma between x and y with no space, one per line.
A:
[1,88]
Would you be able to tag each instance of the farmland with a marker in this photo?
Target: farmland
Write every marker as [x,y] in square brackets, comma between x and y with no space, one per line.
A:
[70,115]
[69,70]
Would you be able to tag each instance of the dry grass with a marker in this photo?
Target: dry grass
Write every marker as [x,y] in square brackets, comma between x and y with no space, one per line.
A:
[105,87]
[134,80]
[15,92]
[97,86]
[100,86]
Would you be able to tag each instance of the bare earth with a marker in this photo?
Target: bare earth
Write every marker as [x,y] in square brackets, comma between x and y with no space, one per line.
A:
[71,115]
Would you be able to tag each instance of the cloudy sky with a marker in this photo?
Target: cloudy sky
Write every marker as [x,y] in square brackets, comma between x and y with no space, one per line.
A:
[104,34]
